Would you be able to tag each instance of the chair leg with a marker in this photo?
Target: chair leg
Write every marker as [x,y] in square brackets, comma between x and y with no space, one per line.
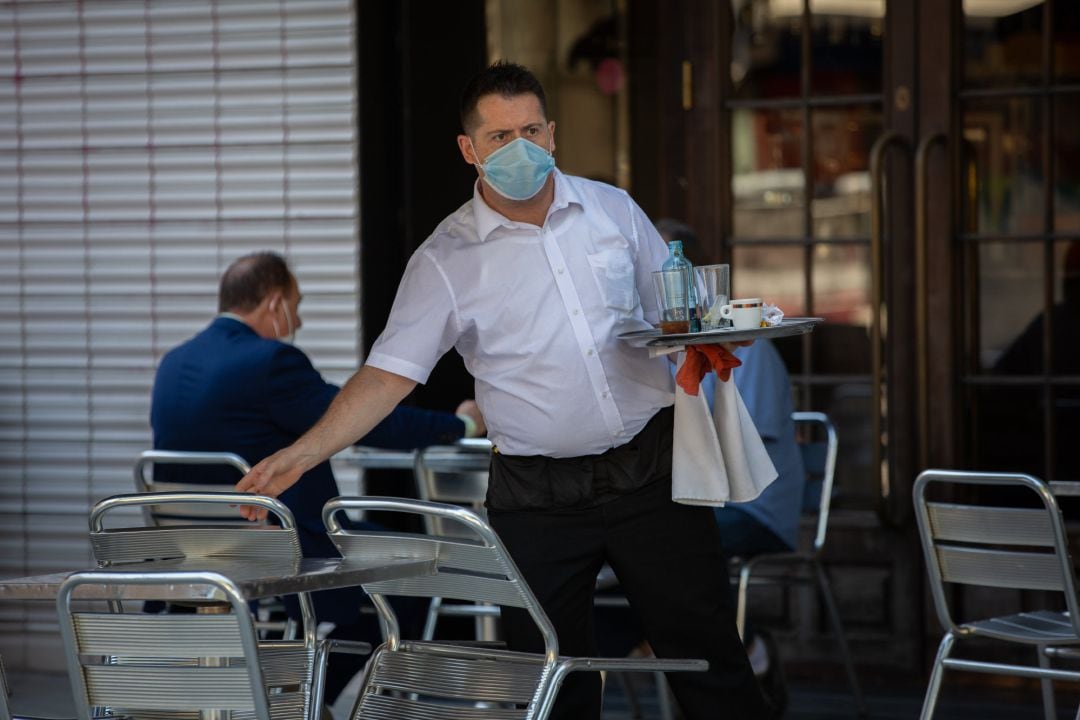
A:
[841,637]
[432,618]
[740,601]
[1049,706]
[934,687]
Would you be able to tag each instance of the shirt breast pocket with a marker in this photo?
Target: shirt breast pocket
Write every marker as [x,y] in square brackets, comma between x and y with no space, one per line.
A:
[614,273]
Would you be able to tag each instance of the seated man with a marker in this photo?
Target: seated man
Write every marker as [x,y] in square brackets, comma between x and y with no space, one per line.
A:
[240,386]
[770,523]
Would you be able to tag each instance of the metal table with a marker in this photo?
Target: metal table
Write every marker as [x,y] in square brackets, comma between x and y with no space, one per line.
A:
[255,578]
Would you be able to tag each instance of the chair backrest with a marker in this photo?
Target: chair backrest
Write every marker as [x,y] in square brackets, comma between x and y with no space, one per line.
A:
[474,568]
[153,542]
[818,443]
[979,541]
[180,513]
[130,544]
[164,664]
[454,475]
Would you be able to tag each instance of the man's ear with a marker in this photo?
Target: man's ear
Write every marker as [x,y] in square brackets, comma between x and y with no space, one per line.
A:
[273,299]
[467,150]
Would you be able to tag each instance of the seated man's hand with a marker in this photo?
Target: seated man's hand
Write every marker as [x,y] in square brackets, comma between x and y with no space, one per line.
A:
[470,409]
[271,477]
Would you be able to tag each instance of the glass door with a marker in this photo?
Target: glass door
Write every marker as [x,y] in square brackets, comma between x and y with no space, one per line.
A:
[1018,108]
[805,102]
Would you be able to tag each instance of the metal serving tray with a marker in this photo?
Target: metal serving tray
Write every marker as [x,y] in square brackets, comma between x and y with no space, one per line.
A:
[787,327]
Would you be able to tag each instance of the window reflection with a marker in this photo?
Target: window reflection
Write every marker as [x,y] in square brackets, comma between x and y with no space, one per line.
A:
[1010,305]
[1066,42]
[774,273]
[1002,42]
[841,277]
[766,54]
[846,46]
[842,141]
[1066,163]
[1003,171]
[767,183]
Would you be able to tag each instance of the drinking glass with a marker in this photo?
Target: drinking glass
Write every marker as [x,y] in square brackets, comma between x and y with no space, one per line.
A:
[713,290]
[672,300]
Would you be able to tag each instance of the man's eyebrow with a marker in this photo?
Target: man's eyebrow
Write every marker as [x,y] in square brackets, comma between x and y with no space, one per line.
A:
[503,131]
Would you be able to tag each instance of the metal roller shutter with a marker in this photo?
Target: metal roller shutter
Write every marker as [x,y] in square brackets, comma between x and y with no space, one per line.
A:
[144,145]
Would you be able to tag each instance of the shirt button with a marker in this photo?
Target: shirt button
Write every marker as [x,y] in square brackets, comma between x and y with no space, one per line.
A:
[603,395]
[577,312]
[590,352]
[562,270]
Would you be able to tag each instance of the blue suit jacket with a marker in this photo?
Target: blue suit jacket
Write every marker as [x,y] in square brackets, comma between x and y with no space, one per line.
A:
[229,390]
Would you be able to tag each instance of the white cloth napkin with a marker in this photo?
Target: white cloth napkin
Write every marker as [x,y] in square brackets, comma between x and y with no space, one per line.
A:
[718,456]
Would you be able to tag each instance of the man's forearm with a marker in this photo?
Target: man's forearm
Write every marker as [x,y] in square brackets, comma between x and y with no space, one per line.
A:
[368,397]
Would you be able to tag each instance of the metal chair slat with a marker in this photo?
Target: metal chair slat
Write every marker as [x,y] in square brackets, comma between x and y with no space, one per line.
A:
[465,677]
[990,525]
[385,707]
[1000,568]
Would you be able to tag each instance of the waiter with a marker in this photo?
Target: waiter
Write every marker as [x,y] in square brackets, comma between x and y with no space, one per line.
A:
[531,281]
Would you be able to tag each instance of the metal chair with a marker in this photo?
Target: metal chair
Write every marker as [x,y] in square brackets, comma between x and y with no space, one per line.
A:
[212,513]
[118,546]
[976,542]
[178,666]
[819,461]
[420,680]
[451,475]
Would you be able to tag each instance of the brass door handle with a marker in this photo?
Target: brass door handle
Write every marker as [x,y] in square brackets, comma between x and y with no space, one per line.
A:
[922,338]
[890,510]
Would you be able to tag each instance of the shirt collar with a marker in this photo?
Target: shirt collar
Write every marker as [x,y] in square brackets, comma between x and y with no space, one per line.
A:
[488,220]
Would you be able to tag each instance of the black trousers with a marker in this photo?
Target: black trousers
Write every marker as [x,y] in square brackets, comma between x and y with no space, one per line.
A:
[667,557]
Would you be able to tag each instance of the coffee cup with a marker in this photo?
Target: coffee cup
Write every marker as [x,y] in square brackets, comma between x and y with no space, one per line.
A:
[744,314]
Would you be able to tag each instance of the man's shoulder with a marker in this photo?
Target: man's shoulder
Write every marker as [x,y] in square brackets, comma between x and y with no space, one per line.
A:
[591,189]
[457,230]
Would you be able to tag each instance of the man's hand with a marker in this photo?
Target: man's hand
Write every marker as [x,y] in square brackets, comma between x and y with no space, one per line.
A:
[271,477]
[472,410]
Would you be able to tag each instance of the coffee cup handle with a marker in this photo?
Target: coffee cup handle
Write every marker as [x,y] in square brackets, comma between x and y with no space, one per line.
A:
[725,312]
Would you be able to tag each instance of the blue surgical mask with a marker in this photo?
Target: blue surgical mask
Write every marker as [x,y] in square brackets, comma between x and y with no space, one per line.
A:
[518,170]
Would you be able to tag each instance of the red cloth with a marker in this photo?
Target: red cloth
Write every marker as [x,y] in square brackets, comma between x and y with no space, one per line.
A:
[699,359]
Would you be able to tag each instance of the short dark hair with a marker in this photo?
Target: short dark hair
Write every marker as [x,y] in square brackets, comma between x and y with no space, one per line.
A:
[251,278]
[500,78]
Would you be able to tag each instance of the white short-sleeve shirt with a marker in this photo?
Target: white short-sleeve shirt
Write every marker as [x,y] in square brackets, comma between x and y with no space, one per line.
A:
[534,312]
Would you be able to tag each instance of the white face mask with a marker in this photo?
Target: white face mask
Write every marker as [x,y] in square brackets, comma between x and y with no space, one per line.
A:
[290,337]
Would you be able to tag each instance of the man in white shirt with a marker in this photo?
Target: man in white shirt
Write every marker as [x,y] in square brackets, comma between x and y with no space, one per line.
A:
[531,282]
